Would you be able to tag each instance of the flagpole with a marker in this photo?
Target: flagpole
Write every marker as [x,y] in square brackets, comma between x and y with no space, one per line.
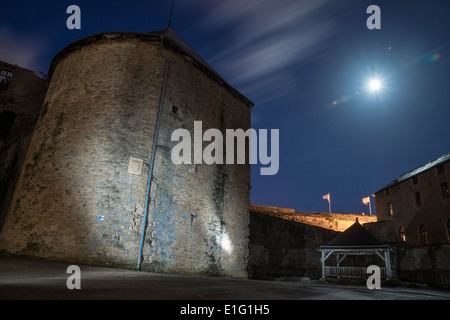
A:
[328,197]
[367,201]
[329,202]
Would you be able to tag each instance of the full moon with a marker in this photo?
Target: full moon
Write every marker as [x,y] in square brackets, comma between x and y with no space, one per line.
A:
[374,85]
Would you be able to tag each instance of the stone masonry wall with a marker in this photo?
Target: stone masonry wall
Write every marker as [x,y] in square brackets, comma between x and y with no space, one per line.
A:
[24,97]
[100,110]
[284,248]
[333,221]
[433,214]
[424,265]
[11,161]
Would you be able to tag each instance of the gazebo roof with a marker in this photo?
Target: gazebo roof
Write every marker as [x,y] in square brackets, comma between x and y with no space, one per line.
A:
[356,240]
[355,237]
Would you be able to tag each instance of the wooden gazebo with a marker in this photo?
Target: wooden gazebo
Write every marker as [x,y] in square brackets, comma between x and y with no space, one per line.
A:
[356,240]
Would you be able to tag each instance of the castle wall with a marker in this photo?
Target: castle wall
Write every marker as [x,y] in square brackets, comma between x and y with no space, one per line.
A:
[427,265]
[417,260]
[23,96]
[11,162]
[333,221]
[284,248]
[100,110]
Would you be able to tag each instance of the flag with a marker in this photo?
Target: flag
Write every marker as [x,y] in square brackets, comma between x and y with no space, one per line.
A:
[326,197]
[366,200]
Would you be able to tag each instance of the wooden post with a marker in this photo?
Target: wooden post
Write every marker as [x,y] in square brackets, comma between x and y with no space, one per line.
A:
[323,264]
[387,262]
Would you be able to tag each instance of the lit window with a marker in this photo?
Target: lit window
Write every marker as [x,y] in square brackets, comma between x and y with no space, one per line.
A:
[444,189]
[402,235]
[5,79]
[390,209]
[423,235]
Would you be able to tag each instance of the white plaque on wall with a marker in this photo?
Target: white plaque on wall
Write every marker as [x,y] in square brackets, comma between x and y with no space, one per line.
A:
[135,166]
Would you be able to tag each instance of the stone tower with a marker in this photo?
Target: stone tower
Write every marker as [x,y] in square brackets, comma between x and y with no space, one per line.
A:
[82,191]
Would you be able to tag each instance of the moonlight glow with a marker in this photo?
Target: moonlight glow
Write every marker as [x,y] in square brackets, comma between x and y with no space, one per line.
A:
[374,85]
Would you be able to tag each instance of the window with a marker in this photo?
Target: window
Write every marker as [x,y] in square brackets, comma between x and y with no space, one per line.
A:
[5,79]
[415,179]
[6,122]
[440,169]
[387,191]
[389,209]
[448,229]
[174,109]
[401,234]
[418,200]
[423,235]
[444,189]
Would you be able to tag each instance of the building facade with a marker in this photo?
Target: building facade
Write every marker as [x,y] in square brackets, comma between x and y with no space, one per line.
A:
[414,209]
[413,215]
[22,92]
[84,196]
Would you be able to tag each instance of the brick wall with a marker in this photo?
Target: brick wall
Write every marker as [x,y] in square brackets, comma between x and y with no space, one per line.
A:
[100,110]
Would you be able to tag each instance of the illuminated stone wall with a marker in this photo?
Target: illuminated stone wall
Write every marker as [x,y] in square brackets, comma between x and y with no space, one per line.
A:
[76,200]
[333,221]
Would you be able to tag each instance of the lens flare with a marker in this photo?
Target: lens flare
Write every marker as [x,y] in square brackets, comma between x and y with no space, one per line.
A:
[433,58]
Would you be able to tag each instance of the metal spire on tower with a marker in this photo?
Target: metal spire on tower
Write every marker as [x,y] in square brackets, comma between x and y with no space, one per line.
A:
[171,12]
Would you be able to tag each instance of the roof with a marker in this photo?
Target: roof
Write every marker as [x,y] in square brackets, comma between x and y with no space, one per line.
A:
[169,38]
[175,39]
[414,172]
[355,237]
[15,67]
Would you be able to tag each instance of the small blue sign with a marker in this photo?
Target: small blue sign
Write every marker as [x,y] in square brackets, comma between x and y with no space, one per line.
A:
[100,218]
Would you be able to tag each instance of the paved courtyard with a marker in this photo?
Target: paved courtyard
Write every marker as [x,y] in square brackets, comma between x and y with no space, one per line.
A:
[36,279]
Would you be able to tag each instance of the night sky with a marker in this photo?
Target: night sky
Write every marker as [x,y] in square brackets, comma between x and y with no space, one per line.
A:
[305,65]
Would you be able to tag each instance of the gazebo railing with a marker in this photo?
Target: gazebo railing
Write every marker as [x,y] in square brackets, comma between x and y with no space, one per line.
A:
[330,271]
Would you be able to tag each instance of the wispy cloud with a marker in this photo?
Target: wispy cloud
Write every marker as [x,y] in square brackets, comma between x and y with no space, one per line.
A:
[267,38]
[24,51]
